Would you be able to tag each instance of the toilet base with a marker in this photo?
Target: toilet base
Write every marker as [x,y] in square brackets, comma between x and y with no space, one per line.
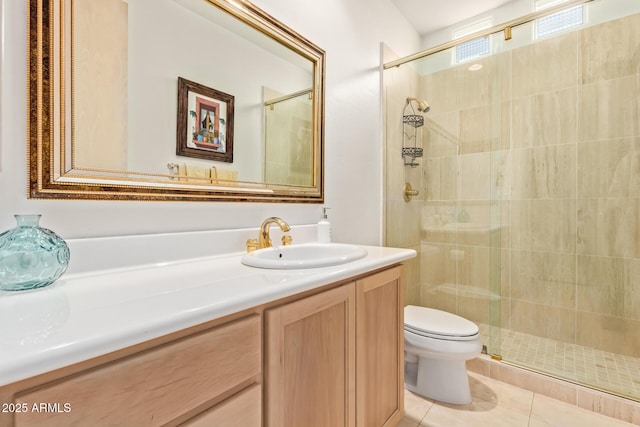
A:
[442,380]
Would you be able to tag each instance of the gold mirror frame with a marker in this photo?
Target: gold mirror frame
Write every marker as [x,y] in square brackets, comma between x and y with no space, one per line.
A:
[48,177]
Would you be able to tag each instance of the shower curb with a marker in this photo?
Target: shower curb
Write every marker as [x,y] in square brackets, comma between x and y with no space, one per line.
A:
[583,397]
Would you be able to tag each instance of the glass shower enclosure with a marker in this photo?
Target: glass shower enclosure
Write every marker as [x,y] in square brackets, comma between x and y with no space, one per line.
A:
[527,218]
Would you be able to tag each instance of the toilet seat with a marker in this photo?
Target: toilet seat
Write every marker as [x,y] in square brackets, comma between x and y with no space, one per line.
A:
[438,324]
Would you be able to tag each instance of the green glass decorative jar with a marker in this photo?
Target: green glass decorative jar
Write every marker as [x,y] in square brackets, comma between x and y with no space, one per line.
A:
[31,256]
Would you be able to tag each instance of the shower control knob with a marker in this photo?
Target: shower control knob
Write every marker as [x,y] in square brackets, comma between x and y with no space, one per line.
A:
[408,192]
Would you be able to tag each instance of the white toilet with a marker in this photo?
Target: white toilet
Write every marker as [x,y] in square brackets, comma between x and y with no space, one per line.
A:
[436,346]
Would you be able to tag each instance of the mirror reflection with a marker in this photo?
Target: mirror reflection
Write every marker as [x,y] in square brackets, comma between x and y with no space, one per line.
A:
[195,94]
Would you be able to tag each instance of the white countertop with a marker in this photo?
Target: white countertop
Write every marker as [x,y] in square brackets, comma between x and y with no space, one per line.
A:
[87,314]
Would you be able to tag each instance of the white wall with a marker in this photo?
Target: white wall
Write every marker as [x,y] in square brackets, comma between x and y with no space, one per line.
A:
[158,56]
[501,14]
[349,30]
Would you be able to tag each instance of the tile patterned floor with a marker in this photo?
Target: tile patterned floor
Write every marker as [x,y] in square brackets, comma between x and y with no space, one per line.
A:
[595,368]
[496,404]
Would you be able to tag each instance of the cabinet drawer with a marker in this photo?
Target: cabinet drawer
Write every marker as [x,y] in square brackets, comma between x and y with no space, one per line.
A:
[155,386]
[243,409]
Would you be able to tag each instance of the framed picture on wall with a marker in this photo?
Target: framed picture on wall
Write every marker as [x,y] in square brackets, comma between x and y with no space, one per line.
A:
[204,122]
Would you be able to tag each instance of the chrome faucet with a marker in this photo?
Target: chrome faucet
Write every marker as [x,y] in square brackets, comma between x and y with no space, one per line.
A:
[264,240]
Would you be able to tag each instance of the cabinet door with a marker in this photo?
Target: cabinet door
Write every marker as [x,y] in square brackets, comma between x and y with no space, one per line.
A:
[380,348]
[310,361]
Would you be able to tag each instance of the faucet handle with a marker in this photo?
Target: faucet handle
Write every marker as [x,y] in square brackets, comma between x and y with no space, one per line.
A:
[287,240]
[252,245]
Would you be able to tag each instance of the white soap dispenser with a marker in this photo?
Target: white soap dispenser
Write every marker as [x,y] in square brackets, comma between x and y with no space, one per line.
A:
[324,228]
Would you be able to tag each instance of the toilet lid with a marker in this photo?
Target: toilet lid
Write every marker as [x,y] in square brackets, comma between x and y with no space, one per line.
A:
[430,322]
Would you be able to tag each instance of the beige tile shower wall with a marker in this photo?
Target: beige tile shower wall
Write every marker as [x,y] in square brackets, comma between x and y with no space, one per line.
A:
[609,51]
[608,174]
[544,119]
[289,163]
[100,61]
[544,139]
[548,65]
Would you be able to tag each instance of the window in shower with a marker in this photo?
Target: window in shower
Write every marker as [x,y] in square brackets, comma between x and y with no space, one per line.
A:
[474,48]
[557,22]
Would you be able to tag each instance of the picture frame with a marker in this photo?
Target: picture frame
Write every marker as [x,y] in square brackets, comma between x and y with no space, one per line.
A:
[204,122]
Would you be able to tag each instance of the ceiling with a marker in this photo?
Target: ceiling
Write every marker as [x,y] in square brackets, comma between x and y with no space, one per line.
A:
[427,16]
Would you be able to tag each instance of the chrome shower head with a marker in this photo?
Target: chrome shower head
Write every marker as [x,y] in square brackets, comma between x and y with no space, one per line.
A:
[422,105]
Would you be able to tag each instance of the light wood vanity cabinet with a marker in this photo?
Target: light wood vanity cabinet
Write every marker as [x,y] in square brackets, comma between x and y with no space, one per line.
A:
[163,385]
[336,358]
[332,357]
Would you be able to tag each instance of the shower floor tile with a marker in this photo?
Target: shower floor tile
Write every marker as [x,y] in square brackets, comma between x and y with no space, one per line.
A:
[614,373]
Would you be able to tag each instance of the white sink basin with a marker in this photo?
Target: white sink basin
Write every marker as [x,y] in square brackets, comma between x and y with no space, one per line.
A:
[306,255]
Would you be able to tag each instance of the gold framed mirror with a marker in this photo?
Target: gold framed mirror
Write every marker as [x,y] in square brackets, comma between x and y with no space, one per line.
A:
[107,119]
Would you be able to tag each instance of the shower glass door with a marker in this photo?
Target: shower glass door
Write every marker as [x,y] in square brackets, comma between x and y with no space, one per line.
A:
[571,219]
[528,218]
[455,222]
